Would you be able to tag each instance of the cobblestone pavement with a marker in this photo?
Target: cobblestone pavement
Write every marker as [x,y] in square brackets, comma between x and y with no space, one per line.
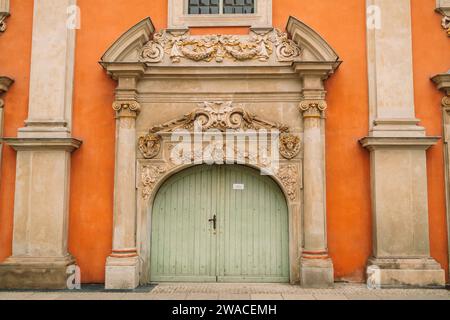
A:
[232,292]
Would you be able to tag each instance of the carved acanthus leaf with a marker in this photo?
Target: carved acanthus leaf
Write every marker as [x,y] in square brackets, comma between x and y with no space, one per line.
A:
[221,116]
[219,47]
[289,176]
[150,175]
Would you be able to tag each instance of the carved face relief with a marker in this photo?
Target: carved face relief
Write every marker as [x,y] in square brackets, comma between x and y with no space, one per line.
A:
[150,145]
[289,146]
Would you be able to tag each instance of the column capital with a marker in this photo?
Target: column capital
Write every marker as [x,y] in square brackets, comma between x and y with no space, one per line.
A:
[126,108]
[312,108]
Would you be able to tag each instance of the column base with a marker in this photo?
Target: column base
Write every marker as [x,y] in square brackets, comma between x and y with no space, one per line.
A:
[316,273]
[402,273]
[122,273]
[35,273]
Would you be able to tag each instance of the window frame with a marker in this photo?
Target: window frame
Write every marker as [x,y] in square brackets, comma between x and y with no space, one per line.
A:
[180,19]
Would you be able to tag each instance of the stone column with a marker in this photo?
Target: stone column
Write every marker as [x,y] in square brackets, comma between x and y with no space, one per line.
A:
[397,144]
[442,82]
[316,267]
[122,266]
[5,83]
[40,257]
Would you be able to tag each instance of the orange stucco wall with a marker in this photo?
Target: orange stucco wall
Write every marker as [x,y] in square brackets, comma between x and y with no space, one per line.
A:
[340,22]
[15,55]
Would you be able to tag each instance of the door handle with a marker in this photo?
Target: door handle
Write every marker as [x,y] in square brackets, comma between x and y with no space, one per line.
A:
[214,221]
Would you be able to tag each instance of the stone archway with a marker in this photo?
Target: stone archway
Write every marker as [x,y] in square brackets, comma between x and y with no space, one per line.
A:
[168,79]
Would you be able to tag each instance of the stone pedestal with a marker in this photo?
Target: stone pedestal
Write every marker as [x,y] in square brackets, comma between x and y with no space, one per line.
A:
[40,257]
[122,272]
[35,273]
[401,248]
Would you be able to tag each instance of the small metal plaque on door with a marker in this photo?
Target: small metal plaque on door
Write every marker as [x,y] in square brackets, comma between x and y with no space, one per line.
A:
[238,186]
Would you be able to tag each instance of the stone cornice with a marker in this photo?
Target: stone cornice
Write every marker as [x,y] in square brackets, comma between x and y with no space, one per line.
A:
[31,144]
[373,143]
[442,82]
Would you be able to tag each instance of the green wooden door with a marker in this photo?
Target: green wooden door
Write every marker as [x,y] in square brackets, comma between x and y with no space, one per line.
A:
[250,242]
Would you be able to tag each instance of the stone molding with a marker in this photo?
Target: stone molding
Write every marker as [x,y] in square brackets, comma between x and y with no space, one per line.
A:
[34,144]
[443,7]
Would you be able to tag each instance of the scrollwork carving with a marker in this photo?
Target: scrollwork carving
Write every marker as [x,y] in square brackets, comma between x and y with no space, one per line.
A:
[149,177]
[219,47]
[221,116]
[131,106]
[312,108]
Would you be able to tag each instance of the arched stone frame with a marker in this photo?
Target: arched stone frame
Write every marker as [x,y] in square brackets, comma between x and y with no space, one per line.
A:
[145,207]
[297,63]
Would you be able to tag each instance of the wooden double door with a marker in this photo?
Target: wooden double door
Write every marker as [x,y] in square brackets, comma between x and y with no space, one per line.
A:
[219,224]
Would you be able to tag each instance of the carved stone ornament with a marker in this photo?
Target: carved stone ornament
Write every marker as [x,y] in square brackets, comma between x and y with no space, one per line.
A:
[150,145]
[312,108]
[446,102]
[149,176]
[219,47]
[289,176]
[132,106]
[289,145]
[446,24]
[3,23]
[221,116]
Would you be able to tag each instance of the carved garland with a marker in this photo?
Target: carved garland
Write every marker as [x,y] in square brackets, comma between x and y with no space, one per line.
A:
[149,176]
[219,47]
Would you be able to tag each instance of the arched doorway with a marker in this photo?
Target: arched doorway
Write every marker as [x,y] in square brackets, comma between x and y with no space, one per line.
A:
[220,223]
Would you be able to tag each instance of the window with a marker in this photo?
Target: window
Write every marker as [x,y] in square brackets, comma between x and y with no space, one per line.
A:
[221,6]
[220,13]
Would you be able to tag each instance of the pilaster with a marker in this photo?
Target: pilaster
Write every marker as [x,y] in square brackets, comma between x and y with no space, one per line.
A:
[442,82]
[122,266]
[5,83]
[397,144]
[40,255]
[316,266]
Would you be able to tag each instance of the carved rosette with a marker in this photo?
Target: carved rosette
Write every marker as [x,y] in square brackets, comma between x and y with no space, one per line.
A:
[127,108]
[312,108]
[290,145]
[219,47]
[149,145]
[289,177]
[150,175]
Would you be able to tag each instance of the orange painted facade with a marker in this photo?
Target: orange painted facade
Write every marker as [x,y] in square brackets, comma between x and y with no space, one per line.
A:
[342,25]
